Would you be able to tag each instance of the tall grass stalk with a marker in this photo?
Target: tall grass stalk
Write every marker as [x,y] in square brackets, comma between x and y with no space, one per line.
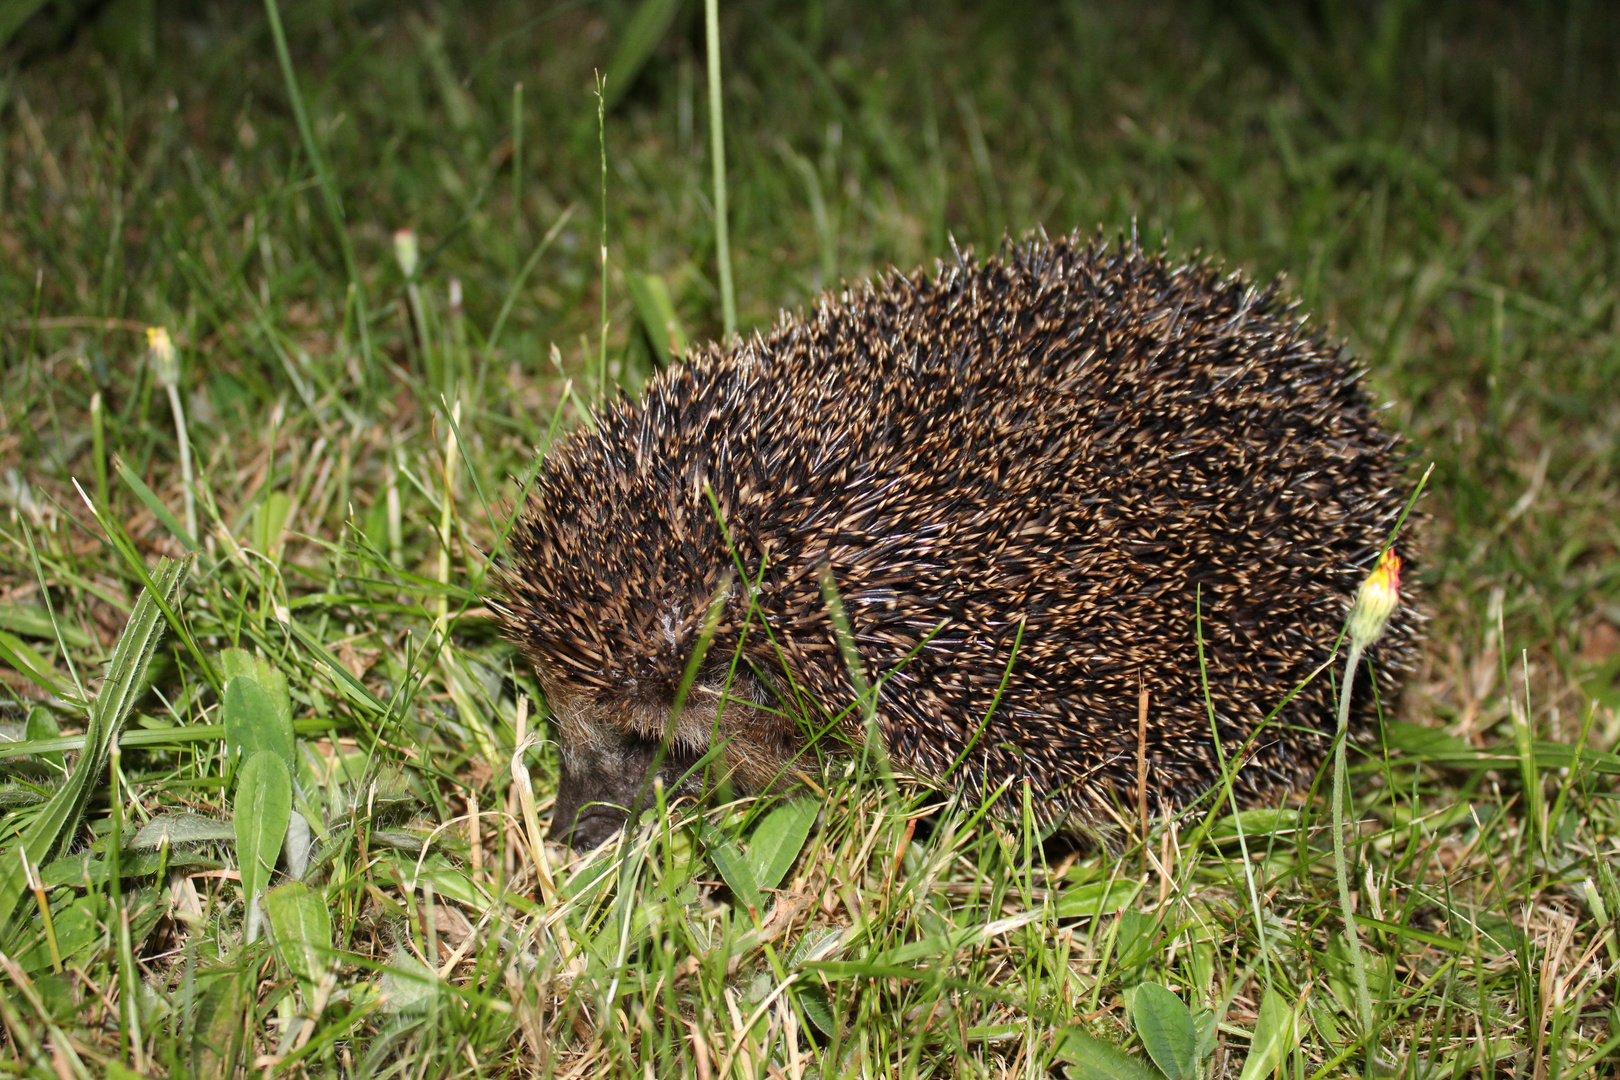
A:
[329,193]
[602,250]
[717,152]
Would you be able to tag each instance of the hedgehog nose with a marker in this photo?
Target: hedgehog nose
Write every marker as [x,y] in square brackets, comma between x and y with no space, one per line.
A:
[606,778]
[593,800]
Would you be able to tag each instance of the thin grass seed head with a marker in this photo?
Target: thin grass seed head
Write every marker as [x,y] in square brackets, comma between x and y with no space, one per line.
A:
[1094,452]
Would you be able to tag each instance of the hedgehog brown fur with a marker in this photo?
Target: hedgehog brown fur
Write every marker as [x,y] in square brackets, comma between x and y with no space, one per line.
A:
[1082,449]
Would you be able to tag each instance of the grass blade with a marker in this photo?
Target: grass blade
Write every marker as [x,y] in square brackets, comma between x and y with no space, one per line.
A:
[54,828]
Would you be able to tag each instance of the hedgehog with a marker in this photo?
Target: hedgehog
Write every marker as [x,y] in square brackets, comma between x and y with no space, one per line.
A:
[989,512]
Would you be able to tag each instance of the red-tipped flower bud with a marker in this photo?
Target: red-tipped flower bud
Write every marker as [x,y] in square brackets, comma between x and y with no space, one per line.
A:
[1376,601]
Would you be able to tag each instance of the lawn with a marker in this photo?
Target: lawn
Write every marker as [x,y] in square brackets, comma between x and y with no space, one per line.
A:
[289,298]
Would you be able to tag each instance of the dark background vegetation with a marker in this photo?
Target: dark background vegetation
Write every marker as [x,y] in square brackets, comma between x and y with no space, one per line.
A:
[1439,181]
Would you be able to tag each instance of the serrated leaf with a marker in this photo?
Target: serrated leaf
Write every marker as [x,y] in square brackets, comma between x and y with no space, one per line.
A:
[252,722]
[778,840]
[302,928]
[261,813]
[1276,1033]
[1166,1028]
[54,827]
[181,828]
[1094,1059]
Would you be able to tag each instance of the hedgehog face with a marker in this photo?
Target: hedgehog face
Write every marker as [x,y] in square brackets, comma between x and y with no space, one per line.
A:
[616,746]
[608,771]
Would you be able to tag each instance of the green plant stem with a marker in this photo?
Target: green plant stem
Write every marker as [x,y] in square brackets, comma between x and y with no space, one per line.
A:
[717,150]
[98,444]
[517,161]
[601,136]
[1341,868]
[187,482]
[329,196]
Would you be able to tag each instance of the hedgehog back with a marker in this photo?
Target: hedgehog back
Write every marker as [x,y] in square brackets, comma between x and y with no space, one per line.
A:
[1090,453]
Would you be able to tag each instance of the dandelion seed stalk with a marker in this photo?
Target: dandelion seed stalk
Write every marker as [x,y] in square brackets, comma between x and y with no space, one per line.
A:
[166,368]
[1375,602]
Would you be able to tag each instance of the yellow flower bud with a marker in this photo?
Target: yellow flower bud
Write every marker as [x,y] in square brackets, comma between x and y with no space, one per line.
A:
[1376,601]
[160,349]
[406,250]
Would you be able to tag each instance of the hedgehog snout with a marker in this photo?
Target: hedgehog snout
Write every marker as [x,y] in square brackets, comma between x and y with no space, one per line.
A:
[614,749]
[608,772]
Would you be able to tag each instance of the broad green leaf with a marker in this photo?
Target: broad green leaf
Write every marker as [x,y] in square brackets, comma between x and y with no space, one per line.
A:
[55,826]
[1208,1027]
[815,945]
[79,926]
[1167,1031]
[734,868]
[302,928]
[217,1038]
[234,662]
[1091,1058]
[408,986]
[88,869]
[1261,821]
[181,828]
[269,521]
[1096,899]
[262,810]
[296,848]
[253,723]
[41,724]
[1276,1033]
[817,1008]
[778,840]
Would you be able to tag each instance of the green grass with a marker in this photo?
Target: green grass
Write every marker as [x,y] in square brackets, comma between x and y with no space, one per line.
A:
[1438,180]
